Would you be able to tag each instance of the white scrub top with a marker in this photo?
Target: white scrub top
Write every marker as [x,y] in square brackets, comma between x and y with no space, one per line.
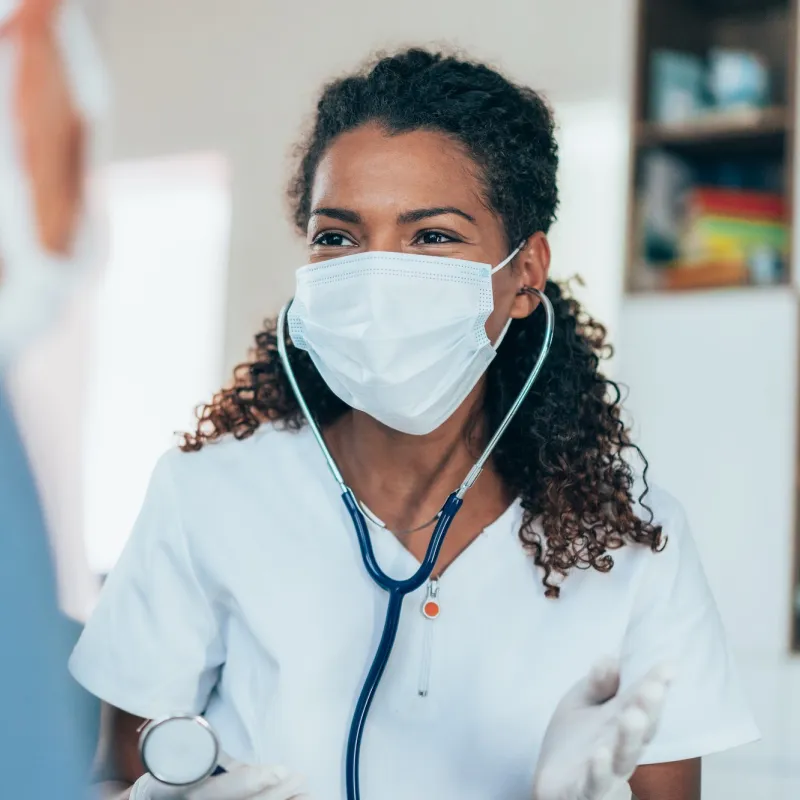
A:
[241,593]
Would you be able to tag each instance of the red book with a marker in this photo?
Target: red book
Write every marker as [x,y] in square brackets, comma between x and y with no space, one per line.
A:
[737,203]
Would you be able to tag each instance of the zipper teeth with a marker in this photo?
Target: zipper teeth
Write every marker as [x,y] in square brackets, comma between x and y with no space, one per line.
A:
[425,667]
[431,593]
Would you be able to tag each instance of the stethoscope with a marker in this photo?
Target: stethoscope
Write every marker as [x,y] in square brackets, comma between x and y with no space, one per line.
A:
[398,589]
[181,750]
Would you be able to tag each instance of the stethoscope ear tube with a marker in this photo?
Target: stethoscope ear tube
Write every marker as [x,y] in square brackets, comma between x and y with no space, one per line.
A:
[371,682]
[443,521]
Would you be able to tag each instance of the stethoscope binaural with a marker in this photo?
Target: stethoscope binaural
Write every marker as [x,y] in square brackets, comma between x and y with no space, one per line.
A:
[398,589]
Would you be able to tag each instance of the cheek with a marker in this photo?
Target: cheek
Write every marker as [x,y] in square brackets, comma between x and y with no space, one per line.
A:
[505,290]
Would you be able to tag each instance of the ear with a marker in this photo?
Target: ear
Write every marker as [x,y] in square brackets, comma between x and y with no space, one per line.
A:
[531,267]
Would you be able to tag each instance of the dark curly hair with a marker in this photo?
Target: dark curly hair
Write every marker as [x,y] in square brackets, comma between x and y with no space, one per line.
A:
[563,454]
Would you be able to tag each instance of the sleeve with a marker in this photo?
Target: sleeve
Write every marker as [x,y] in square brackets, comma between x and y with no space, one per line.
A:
[675,619]
[153,644]
[42,743]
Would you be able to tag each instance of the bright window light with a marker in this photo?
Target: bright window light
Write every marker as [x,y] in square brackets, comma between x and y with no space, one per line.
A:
[159,331]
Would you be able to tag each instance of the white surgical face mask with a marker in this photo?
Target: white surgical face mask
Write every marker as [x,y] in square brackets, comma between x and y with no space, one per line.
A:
[399,336]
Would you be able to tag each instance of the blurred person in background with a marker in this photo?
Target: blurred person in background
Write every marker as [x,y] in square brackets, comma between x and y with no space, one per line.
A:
[241,593]
[51,95]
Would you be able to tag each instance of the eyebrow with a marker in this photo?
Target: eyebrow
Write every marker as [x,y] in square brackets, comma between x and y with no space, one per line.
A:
[417,215]
[342,214]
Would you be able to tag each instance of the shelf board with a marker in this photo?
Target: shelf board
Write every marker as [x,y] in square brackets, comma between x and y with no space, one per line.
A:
[653,291]
[749,129]
[647,281]
[724,7]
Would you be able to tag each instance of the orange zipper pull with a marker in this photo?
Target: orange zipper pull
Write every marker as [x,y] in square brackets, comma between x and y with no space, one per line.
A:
[430,610]
[430,605]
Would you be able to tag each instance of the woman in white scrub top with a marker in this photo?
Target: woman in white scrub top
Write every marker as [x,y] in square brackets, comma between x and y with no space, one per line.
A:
[241,594]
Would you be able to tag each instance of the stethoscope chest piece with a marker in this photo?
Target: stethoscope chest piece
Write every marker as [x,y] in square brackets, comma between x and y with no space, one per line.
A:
[179,750]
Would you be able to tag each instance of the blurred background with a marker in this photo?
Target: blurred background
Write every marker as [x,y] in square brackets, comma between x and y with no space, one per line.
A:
[678,131]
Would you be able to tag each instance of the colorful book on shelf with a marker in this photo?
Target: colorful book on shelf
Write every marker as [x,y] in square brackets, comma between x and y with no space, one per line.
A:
[736,203]
[714,239]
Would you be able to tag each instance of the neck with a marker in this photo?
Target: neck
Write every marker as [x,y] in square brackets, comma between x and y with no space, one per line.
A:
[405,479]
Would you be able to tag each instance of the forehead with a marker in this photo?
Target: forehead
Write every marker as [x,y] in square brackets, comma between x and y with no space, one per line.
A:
[370,168]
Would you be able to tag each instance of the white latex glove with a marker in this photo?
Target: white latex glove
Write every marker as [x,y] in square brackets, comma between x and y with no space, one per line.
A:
[240,782]
[595,738]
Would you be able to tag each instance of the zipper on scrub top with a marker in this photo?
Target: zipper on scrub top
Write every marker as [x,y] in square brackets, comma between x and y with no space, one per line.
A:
[430,611]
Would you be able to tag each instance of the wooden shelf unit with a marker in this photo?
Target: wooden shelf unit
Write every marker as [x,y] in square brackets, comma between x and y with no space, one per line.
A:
[695,26]
[770,28]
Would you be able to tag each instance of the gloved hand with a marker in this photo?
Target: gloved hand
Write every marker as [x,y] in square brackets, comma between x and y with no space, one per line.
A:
[240,782]
[596,737]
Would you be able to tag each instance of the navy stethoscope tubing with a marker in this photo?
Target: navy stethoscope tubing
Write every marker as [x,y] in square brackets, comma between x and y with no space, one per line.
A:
[398,589]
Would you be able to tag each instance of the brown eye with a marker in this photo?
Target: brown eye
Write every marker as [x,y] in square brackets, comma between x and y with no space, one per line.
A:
[434,237]
[333,239]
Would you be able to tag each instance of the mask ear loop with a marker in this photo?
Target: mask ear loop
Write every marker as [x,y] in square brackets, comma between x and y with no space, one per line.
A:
[500,266]
[509,258]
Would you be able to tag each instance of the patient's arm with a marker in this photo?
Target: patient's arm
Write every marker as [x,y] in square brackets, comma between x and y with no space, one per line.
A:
[677,780]
[117,763]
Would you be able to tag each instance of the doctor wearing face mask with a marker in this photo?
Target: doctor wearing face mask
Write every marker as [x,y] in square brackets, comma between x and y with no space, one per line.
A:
[420,329]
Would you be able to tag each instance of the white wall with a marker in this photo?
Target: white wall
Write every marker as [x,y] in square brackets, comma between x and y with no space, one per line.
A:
[713,387]
[713,380]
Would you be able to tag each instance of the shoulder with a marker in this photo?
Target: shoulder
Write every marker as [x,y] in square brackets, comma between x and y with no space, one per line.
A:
[266,467]
[653,503]
[269,449]
[675,569]
[636,565]
[196,501]
[656,504]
